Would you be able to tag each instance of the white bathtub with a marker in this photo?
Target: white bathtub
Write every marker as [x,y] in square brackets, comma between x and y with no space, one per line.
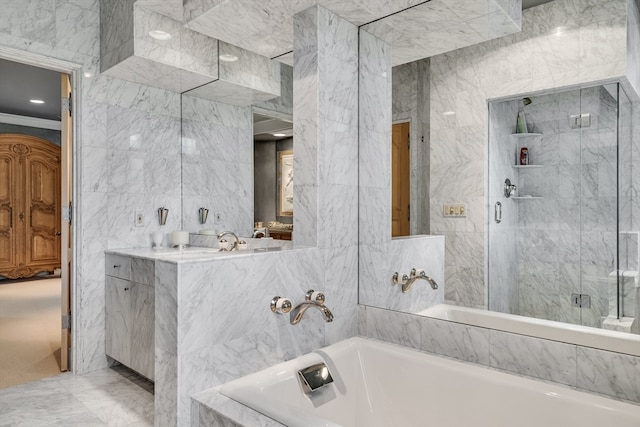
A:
[621,342]
[380,384]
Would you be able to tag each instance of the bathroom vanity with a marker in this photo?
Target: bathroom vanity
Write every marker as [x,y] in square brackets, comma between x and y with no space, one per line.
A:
[173,315]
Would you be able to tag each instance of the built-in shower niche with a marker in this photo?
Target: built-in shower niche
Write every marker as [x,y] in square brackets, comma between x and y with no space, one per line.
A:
[554,255]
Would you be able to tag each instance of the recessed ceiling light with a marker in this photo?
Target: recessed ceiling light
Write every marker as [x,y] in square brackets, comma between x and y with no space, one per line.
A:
[279,134]
[159,35]
[227,57]
[87,74]
[36,101]
[449,113]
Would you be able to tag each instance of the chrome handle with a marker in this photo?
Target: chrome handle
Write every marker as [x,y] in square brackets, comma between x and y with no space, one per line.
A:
[281,305]
[116,266]
[497,214]
[312,295]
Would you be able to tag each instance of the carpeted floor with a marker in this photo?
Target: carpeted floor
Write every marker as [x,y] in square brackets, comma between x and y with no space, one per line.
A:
[29,330]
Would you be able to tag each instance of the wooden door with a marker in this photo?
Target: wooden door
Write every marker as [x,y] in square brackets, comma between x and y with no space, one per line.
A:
[30,200]
[8,182]
[65,221]
[400,172]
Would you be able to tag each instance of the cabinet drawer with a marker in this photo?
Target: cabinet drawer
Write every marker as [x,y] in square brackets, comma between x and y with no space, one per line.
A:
[118,266]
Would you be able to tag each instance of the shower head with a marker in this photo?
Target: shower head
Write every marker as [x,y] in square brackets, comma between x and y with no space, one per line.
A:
[526,101]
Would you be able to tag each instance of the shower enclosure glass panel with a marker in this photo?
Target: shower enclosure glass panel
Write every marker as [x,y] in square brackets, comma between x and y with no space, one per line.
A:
[554,254]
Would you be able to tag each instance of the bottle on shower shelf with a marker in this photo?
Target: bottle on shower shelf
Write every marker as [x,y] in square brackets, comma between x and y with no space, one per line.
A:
[524,156]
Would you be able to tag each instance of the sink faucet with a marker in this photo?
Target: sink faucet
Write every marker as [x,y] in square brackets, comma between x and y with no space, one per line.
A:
[260,233]
[298,311]
[232,234]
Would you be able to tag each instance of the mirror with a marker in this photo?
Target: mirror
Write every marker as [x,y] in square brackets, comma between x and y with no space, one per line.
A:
[453,90]
[218,157]
[273,175]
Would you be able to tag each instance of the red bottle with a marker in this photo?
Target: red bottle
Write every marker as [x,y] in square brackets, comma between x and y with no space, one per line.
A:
[524,156]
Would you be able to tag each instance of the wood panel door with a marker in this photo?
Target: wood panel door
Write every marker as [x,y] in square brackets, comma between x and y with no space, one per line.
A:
[400,175]
[29,206]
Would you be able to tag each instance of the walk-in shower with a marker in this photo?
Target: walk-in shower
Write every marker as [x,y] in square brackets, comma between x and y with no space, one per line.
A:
[564,247]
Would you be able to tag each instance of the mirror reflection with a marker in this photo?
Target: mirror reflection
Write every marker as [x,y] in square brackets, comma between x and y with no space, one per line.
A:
[273,176]
[570,210]
[218,155]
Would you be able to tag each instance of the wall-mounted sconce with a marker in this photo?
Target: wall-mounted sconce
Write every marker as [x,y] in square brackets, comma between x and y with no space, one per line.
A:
[162,215]
[203,213]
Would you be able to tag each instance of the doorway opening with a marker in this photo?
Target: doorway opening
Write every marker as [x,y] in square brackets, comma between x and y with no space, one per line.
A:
[400,180]
[35,231]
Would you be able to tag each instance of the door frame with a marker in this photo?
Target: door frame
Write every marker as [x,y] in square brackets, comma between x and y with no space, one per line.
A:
[74,70]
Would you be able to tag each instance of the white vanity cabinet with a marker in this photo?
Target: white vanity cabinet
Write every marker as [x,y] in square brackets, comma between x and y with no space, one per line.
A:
[130,312]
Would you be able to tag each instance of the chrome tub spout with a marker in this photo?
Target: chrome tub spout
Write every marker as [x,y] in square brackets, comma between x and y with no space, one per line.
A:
[298,311]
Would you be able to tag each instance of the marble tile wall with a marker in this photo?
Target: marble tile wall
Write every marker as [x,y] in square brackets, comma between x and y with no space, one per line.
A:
[248,80]
[608,373]
[325,130]
[410,102]
[187,60]
[633,44]
[562,43]
[379,255]
[578,213]
[379,261]
[503,236]
[215,324]
[217,164]
[374,164]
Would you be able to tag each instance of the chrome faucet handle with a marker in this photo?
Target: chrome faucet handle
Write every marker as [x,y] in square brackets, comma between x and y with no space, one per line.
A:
[312,295]
[413,273]
[394,278]
[281,305]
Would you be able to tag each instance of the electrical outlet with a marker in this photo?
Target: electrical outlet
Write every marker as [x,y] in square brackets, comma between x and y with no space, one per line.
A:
[217,218]
[139,219]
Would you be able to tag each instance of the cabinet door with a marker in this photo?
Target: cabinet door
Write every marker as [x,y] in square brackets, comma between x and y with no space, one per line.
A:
[42,174]
[9,208]
[142,329]
[118,319]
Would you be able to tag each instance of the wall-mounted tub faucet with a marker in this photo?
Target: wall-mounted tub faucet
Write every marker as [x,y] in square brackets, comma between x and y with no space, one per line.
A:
[408,281]
[312,299]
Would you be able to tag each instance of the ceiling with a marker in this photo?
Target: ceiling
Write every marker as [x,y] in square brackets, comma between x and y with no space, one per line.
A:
[19,82]
[265,126]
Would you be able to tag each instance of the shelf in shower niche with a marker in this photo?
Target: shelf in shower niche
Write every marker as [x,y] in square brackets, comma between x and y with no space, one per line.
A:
[525,135]
[526,166]
[527,197]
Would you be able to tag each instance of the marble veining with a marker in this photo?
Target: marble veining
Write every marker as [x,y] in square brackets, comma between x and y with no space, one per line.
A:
[110,397]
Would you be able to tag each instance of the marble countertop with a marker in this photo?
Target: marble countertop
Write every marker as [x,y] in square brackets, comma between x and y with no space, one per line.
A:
[192,253]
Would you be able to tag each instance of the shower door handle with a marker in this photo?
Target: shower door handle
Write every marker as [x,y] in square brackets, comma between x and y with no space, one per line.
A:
[497,213]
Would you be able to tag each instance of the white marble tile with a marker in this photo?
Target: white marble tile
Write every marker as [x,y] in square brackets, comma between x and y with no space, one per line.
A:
[609,373]
[102,398]
[455,340]
[398,328]
[533,357]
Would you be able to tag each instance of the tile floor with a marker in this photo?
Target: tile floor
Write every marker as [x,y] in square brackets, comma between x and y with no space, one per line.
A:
[111,397]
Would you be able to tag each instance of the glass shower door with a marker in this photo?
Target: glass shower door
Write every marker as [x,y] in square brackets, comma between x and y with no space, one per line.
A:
[553,242]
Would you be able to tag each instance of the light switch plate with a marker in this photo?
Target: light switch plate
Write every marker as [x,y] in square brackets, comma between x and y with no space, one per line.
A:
[458,210]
